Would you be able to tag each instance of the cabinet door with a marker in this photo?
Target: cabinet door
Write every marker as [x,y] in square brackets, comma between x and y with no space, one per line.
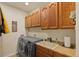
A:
[33,19]
[37,17]
[28,21]
[41,51]
[56,54]
[64,12]
[53,15]
[25,21]
[44,18]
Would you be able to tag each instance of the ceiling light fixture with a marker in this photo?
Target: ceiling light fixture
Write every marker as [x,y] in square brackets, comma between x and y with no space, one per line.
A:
[26,3]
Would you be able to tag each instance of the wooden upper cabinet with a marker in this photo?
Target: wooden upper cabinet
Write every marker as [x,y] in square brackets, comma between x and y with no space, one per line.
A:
[65,8]
[36,18]
[49,16]
[53,15]
[33,19]
[44,17]
[28,21]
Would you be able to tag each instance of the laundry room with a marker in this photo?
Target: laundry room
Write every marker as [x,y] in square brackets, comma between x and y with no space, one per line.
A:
[39,29]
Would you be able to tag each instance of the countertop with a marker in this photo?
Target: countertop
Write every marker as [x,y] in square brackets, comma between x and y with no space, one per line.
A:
[58,48]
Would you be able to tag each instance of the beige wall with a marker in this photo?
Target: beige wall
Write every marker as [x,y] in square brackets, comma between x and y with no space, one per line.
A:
[10,39]
[77,29]
[56,33]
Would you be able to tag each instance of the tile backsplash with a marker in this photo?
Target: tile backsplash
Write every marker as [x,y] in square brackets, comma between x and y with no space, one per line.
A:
[54,33]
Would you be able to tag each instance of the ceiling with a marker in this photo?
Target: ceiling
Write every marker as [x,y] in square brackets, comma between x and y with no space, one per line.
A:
[21,5]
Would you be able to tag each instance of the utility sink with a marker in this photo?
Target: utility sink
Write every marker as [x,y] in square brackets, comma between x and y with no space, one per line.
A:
[47,44]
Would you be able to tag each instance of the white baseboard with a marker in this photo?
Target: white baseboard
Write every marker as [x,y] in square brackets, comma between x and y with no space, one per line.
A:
[11,55]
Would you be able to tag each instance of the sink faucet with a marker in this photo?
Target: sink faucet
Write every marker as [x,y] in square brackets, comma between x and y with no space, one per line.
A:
[56,40]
